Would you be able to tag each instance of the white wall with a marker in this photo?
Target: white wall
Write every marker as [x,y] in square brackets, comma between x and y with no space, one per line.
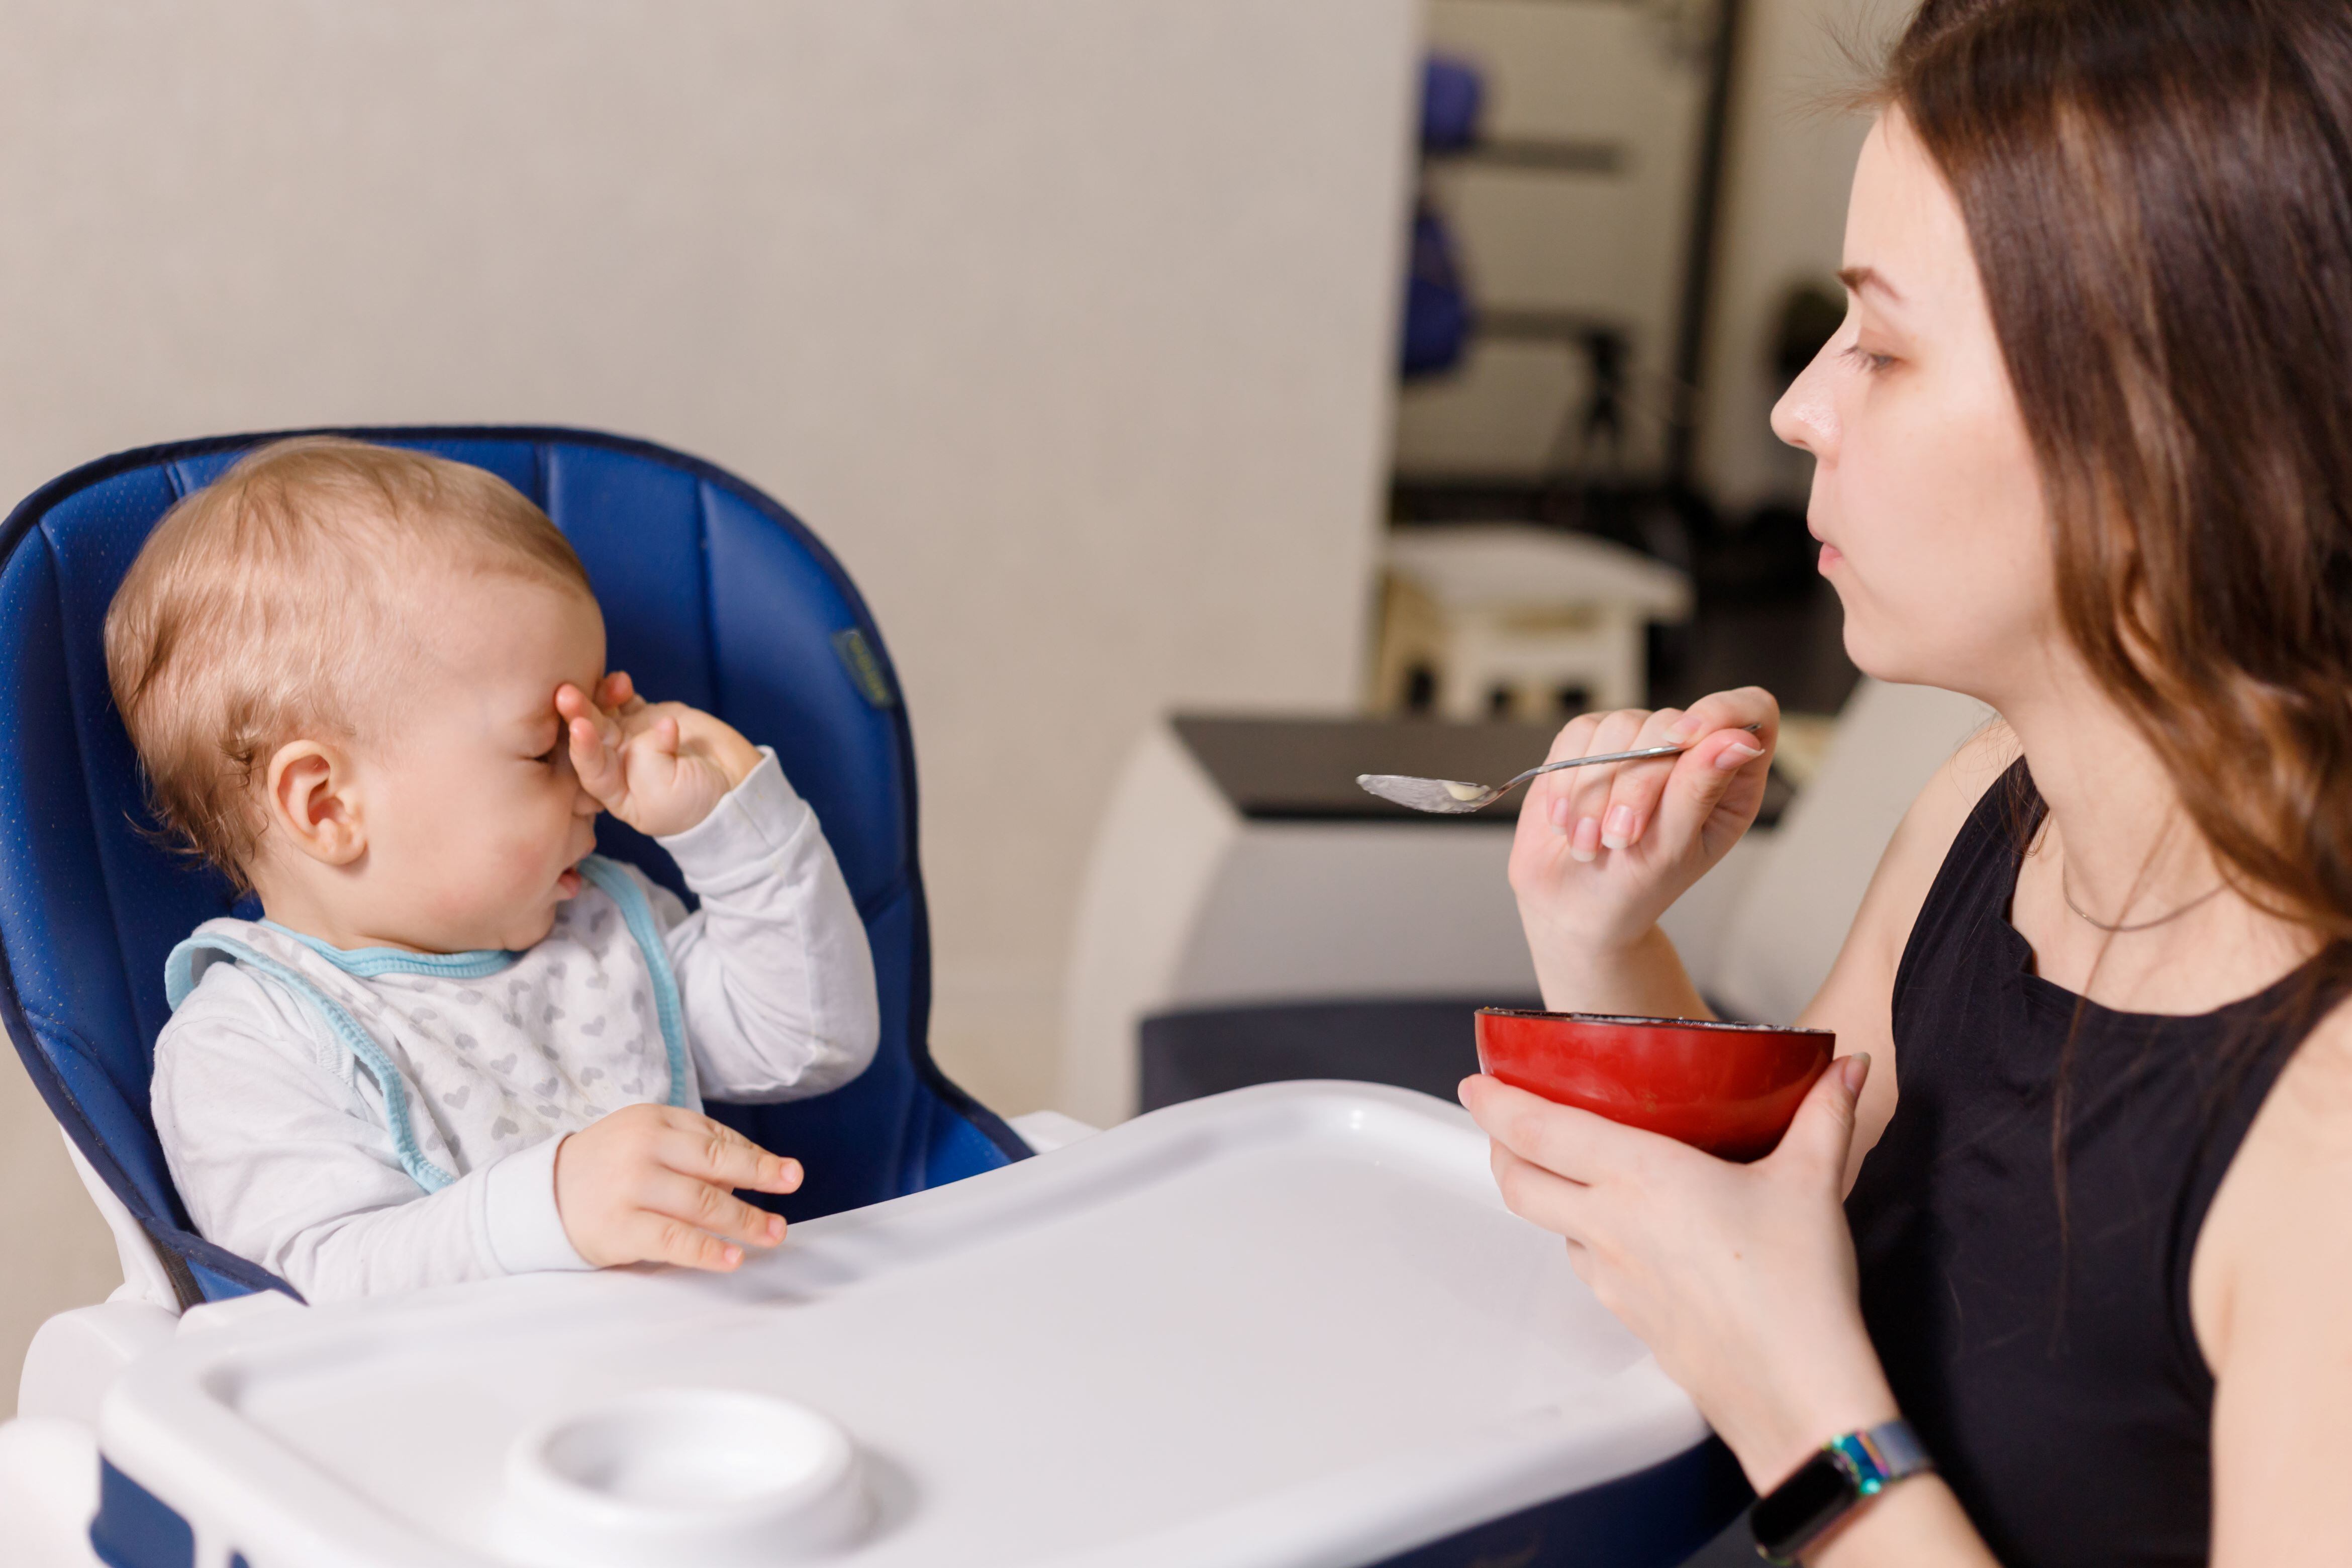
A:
[1068,324]
[1790,163]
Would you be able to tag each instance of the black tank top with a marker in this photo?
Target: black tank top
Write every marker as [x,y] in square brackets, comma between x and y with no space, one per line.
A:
[2052,1370]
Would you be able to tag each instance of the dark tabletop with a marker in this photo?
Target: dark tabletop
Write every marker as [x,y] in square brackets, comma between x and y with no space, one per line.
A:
[1285,769]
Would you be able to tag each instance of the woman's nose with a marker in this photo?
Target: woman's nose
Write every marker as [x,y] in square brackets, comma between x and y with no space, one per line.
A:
[1806,416]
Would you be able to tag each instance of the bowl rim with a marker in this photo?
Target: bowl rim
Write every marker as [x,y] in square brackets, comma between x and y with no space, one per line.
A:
[1623,1020]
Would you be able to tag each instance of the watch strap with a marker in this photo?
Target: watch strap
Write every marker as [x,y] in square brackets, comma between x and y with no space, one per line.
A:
[1825,1488]
[1877,1455]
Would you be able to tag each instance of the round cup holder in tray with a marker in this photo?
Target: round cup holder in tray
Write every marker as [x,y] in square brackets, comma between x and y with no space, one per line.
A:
[711,1476]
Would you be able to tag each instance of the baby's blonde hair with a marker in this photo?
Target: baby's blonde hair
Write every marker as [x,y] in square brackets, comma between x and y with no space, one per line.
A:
[268,606]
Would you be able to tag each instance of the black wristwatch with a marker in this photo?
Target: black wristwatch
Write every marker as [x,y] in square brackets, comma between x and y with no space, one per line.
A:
[1831,1485]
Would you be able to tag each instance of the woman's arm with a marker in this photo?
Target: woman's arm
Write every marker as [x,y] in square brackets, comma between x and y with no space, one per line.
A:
[1741,1278]
[2271,1299]
[1601,853]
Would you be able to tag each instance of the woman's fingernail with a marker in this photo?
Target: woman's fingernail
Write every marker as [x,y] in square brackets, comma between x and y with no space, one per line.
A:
[1682,730]
[775,1227]
[1619,831]
[1857,1068]
[1586,843]
[1560,812]
[1736,755]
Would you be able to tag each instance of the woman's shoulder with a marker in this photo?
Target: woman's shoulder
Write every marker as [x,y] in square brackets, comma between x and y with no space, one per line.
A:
[2303,1130]
[2273,1265]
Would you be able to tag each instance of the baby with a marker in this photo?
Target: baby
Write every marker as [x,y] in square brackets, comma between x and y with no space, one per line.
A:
[370,685]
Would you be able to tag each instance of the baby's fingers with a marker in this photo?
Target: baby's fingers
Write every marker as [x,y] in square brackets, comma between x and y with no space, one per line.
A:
[710,1208]
[596,759]
[574,704]
[619,693]
[657,1239]
[707,1151]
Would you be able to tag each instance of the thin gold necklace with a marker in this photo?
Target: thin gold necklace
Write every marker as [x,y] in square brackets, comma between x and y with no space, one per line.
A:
[2126,930]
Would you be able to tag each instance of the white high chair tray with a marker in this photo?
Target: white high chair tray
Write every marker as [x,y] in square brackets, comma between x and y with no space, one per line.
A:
[1286,1326]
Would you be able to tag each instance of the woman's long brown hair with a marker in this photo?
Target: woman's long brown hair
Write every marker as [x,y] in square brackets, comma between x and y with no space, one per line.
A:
[2159,197]
[2158,193]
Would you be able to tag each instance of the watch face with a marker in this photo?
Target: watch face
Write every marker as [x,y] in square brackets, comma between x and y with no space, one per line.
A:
[1802,1506]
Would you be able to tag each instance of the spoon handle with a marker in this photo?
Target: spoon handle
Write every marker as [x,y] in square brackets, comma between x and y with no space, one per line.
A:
[1603,757]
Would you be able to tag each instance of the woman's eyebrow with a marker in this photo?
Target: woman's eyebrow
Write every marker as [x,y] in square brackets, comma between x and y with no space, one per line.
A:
[1858,279]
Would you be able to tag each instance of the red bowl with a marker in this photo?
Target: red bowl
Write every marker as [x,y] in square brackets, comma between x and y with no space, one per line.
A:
[1728,1089]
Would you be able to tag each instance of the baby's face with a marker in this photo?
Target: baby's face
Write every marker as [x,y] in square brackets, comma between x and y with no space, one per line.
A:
[473,813]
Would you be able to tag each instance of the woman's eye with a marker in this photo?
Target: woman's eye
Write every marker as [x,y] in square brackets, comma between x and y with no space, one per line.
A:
[1868,363]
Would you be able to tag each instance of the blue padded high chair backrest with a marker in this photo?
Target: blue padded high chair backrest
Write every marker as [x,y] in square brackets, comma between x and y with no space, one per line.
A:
[713,594]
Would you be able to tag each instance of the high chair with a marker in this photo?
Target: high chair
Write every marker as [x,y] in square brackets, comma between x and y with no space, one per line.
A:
[1285,1327]
[712,595]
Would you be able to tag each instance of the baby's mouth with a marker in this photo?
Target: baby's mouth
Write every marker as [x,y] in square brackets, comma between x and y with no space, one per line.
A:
[568,885]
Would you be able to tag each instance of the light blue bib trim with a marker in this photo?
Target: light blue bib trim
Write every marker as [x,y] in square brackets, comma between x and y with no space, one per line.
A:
[367,962]
[638,915]
[179,979]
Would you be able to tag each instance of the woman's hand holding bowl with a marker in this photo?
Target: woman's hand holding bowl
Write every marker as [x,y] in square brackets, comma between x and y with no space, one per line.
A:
[1741,1279]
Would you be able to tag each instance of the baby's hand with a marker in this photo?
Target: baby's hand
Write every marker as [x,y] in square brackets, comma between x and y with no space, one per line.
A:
[659,767]
[652,1183]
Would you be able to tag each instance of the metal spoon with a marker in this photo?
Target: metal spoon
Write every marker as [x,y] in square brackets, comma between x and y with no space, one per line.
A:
[1452,798]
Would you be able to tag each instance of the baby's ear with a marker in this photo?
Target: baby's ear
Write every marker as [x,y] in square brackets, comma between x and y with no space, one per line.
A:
[311,802]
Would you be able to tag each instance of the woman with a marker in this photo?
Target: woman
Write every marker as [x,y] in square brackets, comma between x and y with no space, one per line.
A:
[2083,452]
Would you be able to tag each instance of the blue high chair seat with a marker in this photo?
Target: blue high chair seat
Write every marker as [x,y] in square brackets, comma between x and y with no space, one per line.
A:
[713,594]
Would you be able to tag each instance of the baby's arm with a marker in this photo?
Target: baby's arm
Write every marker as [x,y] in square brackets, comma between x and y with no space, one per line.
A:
[773,971]
[284,1160]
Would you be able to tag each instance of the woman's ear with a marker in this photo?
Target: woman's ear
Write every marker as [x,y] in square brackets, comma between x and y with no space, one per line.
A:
[312,802]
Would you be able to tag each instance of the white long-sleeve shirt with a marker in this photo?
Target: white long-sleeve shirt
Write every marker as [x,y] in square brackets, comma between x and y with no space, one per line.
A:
[287,1150]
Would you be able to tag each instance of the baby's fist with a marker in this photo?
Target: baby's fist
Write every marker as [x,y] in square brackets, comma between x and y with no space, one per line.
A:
[653,1184]
[659,767]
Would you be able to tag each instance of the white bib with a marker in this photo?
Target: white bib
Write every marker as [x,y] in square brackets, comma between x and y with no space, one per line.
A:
[476,1055]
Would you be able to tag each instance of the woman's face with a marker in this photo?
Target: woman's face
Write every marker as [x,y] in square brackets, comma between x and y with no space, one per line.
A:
[1926,496]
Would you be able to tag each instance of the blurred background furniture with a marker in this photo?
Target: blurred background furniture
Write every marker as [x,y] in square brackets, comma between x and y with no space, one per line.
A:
[1571,156]
[1514,621]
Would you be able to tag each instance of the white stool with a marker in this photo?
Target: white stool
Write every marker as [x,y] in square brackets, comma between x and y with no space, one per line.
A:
[1507,616]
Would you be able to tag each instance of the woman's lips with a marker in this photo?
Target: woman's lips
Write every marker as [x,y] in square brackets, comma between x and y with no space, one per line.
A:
[1831,555]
